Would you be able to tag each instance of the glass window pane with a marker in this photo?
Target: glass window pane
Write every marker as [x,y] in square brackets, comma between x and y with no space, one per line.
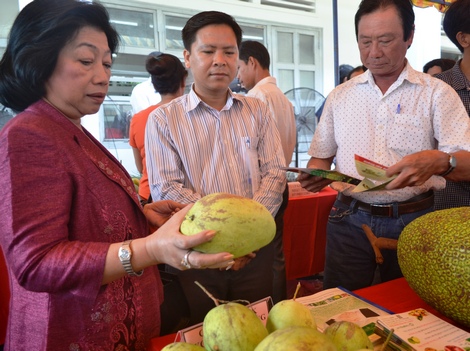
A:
[306,46]
[135,28]
[285,47]
[253,33]
[173,27]
[116,117]
[307,79]
[285,79]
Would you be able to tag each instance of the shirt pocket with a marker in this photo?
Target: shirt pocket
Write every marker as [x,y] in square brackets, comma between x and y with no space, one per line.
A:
[408,134]
[250,156]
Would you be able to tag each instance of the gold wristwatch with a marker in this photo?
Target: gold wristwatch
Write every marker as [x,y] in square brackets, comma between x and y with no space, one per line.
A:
[125,255]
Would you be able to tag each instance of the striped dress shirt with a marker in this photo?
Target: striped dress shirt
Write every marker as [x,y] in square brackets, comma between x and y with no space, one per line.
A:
[194,150]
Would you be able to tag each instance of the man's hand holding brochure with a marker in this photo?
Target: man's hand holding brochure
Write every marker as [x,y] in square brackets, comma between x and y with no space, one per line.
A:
[370,170]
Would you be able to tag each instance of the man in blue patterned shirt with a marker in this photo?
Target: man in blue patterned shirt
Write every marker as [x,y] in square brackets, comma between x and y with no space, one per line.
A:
[457,27]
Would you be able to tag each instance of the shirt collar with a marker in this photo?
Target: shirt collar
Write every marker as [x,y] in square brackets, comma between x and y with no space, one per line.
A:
[194,100]
[407,74]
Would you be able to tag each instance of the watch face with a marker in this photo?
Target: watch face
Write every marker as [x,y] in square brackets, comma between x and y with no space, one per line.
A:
[453,161]
[124,254]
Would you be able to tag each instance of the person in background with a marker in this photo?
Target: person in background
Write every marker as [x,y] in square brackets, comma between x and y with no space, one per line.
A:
[168,78]
[253,75]
[381,115]
[344,71]
[457,27]
[439,65]
[356,71]
[82,267]
[143,94]
[211,140]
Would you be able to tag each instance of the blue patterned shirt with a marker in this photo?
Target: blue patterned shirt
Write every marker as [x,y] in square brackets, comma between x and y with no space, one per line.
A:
[455,194]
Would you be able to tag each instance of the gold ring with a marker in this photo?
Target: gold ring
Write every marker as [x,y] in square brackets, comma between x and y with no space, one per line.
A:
[185,260]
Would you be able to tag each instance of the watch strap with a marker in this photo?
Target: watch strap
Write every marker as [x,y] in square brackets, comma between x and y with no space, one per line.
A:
[125,255]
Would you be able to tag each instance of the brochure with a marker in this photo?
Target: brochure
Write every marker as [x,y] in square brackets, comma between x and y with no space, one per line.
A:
[338,304]
[370,170]
[420,330]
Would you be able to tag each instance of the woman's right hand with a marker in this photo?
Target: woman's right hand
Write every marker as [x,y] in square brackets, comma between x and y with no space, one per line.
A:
[168,245]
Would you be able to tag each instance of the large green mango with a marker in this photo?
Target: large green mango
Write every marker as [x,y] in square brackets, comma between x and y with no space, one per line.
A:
[243,225]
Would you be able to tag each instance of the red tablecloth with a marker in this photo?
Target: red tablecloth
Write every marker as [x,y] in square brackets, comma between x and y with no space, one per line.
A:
[395,295]
[305,222]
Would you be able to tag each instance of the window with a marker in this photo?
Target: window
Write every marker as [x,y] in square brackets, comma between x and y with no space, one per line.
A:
[173,27]
[116,114]
[295,58]
[135,27]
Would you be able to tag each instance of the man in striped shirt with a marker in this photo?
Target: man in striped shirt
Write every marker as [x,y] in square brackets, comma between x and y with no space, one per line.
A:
[211,140]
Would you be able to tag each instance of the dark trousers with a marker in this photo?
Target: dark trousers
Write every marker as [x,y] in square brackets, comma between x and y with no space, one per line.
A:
[350,259]
[279,265]
[251,283]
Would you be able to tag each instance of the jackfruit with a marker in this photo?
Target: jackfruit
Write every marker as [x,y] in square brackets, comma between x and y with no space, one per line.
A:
[434,256]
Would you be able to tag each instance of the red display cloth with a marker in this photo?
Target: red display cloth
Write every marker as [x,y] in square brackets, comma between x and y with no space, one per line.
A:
[395,295]
[4,297]
[398,297]
[304,235]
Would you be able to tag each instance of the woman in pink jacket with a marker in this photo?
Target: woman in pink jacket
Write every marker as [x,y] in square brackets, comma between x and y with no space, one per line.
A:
[82,266]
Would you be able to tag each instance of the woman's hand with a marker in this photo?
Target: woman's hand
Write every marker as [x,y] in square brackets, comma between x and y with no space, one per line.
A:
[168,245]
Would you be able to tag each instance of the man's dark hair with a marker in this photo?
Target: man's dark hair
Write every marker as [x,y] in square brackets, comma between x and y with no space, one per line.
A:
[256,50]
[444,63]
[457,19]
[166,71]
[204,19]
[37,36]
[404,8]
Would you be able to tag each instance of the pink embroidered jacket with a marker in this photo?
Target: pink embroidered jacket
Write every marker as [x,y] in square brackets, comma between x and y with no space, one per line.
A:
[64,199]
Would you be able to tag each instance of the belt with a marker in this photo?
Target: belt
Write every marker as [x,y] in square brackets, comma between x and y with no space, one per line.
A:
[415,204]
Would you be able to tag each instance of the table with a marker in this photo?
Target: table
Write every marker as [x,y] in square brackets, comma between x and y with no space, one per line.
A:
[305,221]
[395,295]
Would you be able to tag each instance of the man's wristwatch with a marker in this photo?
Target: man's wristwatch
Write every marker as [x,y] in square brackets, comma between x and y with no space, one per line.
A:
[452,165]
[125,255]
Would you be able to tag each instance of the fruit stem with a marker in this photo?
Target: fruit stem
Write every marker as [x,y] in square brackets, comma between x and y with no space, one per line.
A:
[387,340]
[216,301]
[296,290]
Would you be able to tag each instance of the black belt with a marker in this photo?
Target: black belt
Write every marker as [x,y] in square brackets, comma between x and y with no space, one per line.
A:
[415,204]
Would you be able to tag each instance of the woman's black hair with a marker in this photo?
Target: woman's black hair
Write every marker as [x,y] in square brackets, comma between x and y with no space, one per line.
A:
[37,36]
[167,72]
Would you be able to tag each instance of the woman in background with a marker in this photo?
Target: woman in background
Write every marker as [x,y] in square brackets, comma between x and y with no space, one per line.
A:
[168,78]
[82,266]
